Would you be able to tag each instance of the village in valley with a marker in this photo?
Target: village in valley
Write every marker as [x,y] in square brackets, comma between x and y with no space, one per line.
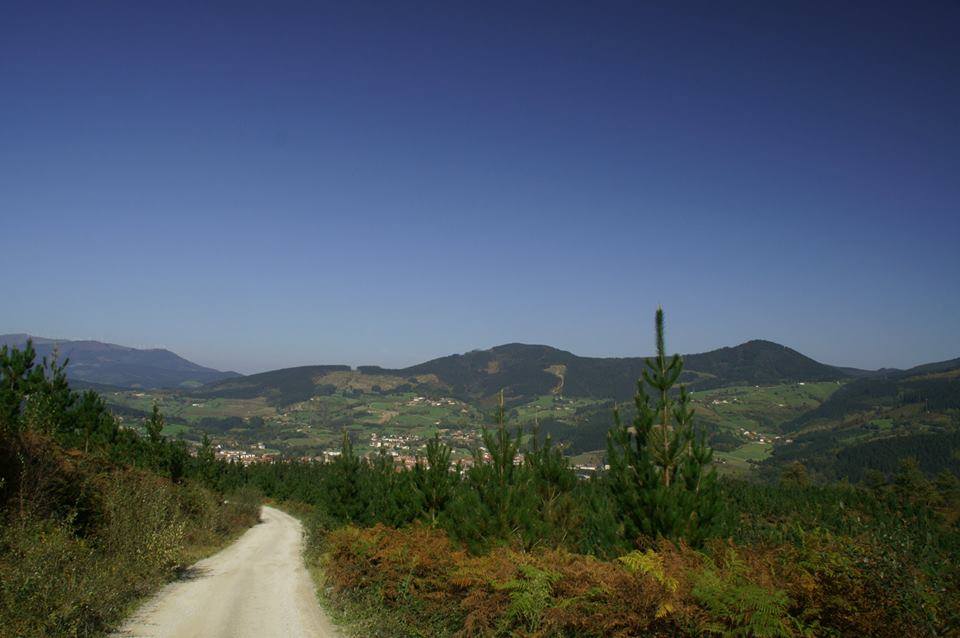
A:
[744,422]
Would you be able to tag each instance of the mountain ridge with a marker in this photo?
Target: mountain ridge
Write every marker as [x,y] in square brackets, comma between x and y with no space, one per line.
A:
[110,364]
[521,369]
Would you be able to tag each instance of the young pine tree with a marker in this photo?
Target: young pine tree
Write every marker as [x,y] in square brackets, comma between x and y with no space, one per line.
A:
[155,424]
[434,478]
[19,378]
[497,502]
[659,473]
[344,494]
[92,421]
[553,481]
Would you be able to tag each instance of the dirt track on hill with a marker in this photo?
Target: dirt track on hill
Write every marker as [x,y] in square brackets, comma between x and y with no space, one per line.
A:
[258,586]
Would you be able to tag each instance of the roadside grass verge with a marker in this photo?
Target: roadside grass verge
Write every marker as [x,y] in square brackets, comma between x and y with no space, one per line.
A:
[97,539]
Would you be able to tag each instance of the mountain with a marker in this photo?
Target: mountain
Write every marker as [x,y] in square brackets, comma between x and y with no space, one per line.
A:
[94,362]
[873,422]
[284,386]
[523,370]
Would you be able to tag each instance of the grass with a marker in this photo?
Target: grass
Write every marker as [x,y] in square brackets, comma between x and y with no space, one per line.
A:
[738,461]
[763,408]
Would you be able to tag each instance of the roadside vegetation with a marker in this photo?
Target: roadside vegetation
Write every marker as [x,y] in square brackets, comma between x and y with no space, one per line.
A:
[507,542]
[93,517]
[513,544]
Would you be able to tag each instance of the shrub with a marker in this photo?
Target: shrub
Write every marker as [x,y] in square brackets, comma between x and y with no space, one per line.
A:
[425,584]
[98,538]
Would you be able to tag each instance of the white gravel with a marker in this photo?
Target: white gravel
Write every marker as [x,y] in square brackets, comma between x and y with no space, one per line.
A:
[258,586]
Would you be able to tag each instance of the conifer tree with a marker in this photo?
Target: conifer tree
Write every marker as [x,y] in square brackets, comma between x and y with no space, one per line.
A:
[343,494]
[553,481]
[155,424]
[434,478]
[390,492]
[496,502]
[19,377]
[49,407]
[795,475]
[659,468]
[93,422]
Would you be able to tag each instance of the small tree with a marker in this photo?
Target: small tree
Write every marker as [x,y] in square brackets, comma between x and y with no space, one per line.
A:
[497,502]
[553,481]
[19,378]
[659,467]
[434,478]
[343,494]
[155,424]
[93,422]
[207,460]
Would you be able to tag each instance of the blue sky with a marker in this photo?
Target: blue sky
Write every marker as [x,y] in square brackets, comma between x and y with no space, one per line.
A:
[256,185]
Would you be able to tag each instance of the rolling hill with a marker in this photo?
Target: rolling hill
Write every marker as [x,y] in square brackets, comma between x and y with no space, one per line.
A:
[873,422]
[524,371]
[108,364]
[284,386]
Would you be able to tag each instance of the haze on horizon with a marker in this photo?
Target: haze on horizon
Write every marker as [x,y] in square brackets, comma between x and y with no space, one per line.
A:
[260,187]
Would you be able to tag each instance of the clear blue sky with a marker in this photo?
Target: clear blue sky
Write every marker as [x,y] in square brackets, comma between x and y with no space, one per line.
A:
[258,185]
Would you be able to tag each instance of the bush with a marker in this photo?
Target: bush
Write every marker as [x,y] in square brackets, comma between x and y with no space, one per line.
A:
[828,585]
[99,538]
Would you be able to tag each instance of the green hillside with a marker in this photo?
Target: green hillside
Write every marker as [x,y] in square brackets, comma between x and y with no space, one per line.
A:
[874,422]
[285,386]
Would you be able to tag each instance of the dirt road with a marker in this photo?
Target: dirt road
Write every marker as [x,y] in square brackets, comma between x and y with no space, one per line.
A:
[256,587]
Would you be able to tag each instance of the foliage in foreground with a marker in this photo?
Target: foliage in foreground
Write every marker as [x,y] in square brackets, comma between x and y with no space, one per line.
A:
[98,537]
[827,585]
[93,517]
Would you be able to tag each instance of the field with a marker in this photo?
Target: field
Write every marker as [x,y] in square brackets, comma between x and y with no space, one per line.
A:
[760,408]
[310,427]
[749,418]
[745,420]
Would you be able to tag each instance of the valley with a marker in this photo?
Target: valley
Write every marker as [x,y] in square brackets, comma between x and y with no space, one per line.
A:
[744,422]
[763,405]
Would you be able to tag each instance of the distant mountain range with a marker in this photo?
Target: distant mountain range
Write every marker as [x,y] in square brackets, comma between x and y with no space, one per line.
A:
[107,364]
[522,370]
[870,422]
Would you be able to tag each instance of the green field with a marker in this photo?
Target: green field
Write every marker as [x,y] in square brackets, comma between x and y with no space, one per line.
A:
[307,428]
[763,408]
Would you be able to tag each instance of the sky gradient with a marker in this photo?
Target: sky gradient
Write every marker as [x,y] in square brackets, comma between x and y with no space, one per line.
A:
[258,185]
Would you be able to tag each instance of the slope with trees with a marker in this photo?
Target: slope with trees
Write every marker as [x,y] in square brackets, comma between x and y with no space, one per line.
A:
[95,516]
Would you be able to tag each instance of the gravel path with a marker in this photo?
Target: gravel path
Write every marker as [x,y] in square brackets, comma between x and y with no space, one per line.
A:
[258,586]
